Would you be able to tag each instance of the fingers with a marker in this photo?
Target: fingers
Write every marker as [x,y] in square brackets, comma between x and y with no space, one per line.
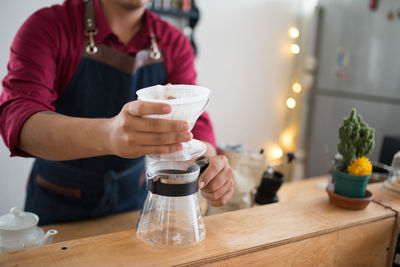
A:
[132,134]
[138,109]
[217,164]
[223,200]
[216,181]
[160,125]
[142,108]
[219,192]
[141,138]
[164,149]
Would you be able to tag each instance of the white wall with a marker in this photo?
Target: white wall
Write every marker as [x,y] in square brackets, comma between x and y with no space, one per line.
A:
[13,171]
[242,57]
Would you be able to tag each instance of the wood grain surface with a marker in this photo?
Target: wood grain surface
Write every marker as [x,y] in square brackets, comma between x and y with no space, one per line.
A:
[127,221]
[304,188]
[385,197]
[363,245]
[105,225]
[229,235]
[99,226]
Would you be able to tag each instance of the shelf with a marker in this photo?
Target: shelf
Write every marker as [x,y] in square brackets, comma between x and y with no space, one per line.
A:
[176,13]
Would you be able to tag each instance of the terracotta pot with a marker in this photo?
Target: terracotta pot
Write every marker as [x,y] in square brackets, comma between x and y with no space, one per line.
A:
[349,202]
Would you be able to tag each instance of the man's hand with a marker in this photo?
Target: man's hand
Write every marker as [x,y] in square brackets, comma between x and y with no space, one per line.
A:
[216,181]
[132,134]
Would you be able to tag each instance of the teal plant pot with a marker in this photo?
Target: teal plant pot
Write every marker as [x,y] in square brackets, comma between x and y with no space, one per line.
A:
[350,185]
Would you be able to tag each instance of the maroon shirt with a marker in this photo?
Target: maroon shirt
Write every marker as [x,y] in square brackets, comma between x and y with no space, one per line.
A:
[47,49]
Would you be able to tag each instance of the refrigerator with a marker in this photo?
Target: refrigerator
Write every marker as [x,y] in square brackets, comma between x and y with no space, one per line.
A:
[357,49]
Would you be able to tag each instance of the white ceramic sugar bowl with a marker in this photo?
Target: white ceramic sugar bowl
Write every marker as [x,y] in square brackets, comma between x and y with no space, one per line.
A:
[19,230]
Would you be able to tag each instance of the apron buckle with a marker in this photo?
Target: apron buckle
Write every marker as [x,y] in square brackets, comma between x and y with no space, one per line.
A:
[91,48]
[155,51]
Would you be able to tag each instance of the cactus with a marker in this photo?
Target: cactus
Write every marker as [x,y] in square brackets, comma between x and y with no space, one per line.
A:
[356,139]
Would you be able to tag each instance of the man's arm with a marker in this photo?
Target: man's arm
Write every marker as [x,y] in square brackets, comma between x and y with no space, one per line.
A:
[211,151]
[54,136]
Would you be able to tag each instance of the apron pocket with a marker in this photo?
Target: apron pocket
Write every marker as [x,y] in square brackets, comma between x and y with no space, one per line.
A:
[52,207]
[60,190]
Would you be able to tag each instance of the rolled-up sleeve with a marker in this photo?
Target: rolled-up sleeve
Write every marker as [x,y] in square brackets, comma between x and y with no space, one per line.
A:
[29,84]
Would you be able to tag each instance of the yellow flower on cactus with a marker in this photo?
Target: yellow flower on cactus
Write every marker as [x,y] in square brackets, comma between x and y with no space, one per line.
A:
[360,166]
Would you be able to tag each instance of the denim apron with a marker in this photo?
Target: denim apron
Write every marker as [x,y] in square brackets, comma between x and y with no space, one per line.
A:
[104,81]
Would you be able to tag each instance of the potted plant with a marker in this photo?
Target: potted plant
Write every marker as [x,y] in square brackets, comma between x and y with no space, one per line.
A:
[356,141]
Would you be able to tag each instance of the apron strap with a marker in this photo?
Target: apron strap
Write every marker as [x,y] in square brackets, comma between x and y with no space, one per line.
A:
[155,51]
[90,20]
[90,27]
[113,57]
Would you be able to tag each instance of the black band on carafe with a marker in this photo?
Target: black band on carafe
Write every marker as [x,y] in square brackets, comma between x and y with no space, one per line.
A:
[176,190]
[172,190]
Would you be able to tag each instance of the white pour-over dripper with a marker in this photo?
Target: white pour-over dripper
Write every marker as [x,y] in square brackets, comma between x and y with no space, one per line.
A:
[188,102]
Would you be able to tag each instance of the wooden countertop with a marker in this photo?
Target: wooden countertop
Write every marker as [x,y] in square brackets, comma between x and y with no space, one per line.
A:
[304,188]
[89,228]
[127,221]
[236,237]
[385,197]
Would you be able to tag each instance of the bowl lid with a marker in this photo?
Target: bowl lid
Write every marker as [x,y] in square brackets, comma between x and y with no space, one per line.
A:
[18,220]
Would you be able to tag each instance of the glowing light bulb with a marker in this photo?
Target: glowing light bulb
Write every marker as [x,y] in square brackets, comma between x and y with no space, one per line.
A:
[276,152]
[294,32]
[295,49]
[296,87]
[290,103]
[287,139]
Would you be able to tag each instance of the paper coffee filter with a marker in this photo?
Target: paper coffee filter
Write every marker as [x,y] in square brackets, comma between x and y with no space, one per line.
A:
[174,94]
[188,103]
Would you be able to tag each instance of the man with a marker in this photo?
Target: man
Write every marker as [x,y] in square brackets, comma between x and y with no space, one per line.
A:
[69,99]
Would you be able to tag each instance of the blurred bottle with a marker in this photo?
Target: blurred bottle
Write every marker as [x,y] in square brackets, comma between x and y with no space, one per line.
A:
[335,161]
[395,171]
[271,181]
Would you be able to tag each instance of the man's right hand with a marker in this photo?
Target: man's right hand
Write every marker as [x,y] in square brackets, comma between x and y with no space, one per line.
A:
[132,134]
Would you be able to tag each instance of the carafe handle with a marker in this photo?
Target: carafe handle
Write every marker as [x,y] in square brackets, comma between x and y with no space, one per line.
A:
[203,163]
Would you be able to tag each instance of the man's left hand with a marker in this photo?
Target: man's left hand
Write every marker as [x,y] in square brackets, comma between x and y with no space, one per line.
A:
[216,181]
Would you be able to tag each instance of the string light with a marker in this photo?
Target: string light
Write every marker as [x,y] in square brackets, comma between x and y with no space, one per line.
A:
[287,139]
[294,32]
[276,152]
[295,49]
[296,87]
[291,103]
